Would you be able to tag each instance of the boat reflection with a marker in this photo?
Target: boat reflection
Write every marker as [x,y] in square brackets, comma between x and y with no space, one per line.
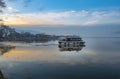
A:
[5,48]
[71,48]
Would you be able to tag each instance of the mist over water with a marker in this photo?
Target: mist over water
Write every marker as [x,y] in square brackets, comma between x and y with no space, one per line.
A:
[99,59]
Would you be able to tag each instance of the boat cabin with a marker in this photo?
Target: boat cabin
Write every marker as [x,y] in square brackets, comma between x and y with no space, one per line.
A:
[70,42]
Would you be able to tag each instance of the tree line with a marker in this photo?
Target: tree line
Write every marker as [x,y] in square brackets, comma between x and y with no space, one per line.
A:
[10,34]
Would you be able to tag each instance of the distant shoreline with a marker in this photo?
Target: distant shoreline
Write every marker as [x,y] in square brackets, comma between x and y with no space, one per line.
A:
[10,34]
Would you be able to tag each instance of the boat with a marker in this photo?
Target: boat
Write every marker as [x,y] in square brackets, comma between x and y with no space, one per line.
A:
[70,42]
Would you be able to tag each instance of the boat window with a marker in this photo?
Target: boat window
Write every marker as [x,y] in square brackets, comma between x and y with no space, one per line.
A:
[68,39]
[63,39]
[65,44]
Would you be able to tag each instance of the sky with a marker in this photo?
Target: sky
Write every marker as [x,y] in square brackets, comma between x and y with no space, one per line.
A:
[60,13]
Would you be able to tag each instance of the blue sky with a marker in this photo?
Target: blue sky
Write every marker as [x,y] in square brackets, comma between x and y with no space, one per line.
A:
[31,14]
[77,4]
[61,5]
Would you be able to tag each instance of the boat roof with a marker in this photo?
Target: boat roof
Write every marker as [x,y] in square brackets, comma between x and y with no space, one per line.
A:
[64,37]
[72,37]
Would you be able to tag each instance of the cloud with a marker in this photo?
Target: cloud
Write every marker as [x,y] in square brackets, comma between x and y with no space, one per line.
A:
[2,5]
[11,10]
[90,23]
[80,18]
[12,0]
[24,3]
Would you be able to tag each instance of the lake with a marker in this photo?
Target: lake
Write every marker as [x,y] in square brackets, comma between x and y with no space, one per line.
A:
[99,59]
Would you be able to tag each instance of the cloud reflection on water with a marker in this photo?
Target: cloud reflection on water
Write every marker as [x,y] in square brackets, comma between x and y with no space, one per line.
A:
[37,61]
[51,53]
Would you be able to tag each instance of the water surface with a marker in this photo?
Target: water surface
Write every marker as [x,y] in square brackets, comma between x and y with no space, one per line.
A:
[100,59]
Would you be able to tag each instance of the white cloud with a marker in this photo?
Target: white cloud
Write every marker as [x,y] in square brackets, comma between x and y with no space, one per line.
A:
[10,10]
[83,18]
[90,23]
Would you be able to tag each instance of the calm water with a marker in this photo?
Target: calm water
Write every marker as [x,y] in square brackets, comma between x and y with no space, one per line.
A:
[100,59]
